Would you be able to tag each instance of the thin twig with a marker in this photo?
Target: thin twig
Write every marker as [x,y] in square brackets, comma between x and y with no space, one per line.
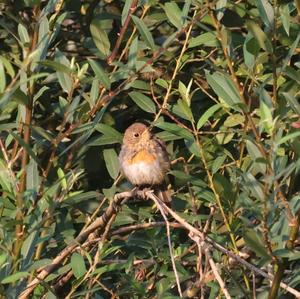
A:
[222,249]
[101,222]
[57,261]
[170,244]
[131,11]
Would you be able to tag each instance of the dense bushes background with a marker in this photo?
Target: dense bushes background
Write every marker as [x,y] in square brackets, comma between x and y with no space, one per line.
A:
[218,80]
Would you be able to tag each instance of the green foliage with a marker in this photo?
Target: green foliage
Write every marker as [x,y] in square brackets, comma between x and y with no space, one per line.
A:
[219,82]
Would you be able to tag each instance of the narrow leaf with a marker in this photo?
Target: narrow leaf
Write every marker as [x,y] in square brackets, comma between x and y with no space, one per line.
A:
[100,38]
[2,77]
[64,79]
[14,277]
[224,88]
[143,101]
[144,32]
[175,129]
[111,162]
[78,265]
[100,73]
[174,14]
[59,67]
[266,12]
[260,36]
[209,112]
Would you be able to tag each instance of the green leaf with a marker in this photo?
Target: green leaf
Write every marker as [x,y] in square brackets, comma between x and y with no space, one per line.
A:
[217,163]
[234,120]
[292,101]
[208,113]
[2,77]
[256,156]
[144,102]
[20,97]
[100,37]
[250,50]
[255,243]
[224,87]
[45,35]
[75,199]
[3,258]
[266,12]
[102,140]
[183,110]
[132,57]
[64,79]
[174,14]
[266,109]
[162,83]
[32,177]
[167,136]
[291,52]
[109,192]
[28,248]
[112,162]
[109,131]
[175,129]
[292,73]
[8,66]
[15,277]
[224,138]
[23,34]
[253,186]
[260,36]
[185,10]
[185,92]
[59,67]
[62,178]
[144,32]
[25,146]
[207,39]
[125,10]
[285,17]
[288,137]
[40,92]
[78,265]
[100,73]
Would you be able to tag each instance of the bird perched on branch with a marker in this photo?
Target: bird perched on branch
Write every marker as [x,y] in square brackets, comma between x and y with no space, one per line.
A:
[144,160]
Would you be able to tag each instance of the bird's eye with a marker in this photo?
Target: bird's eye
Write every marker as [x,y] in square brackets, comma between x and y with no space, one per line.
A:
[136,135]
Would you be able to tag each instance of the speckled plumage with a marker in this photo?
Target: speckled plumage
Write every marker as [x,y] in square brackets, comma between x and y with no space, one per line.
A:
[143,158]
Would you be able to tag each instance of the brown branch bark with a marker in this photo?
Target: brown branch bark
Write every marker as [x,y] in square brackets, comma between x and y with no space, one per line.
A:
[111,210]
[132,9]
[25,157]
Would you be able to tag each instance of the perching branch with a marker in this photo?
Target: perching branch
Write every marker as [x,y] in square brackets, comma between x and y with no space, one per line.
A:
[112,209]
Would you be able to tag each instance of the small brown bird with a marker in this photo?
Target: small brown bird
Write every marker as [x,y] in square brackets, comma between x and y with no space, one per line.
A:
[144,160]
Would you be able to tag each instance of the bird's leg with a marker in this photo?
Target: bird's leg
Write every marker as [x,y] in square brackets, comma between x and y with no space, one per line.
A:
[143,191]
[135,191]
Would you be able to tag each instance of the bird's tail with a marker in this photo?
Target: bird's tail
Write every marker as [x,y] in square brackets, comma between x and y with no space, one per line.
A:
[164,194]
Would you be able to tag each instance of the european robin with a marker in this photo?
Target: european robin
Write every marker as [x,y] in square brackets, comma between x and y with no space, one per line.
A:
[144,160]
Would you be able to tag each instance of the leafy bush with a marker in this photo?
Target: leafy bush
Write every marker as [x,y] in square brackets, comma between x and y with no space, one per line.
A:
[218,80]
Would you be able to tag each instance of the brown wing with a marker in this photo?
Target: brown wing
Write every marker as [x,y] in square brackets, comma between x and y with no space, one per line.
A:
[163,154]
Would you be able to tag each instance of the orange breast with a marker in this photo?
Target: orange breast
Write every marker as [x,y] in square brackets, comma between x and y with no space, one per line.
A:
[143,156]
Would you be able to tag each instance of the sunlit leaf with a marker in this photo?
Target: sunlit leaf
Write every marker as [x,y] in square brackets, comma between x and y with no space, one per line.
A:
[100,37]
